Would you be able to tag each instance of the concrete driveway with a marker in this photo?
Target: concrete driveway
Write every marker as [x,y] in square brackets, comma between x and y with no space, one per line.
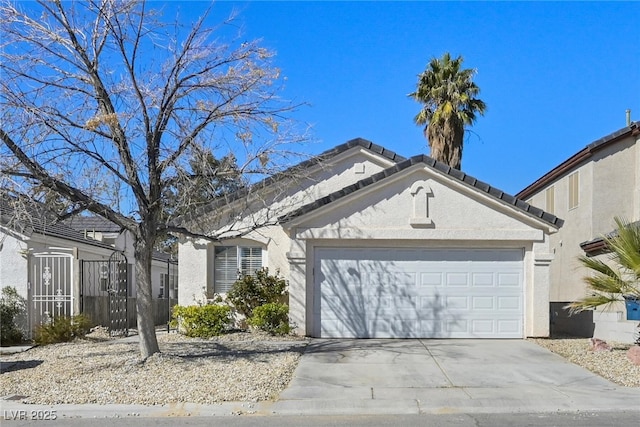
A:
[444,376]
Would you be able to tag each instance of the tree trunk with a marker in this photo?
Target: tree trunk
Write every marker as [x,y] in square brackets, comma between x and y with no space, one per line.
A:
[144,302]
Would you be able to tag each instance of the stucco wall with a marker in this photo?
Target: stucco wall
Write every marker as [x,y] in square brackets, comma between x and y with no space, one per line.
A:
[13,264]
[195,273]
[609,186]
[460,217]
[192,272]
[385,214]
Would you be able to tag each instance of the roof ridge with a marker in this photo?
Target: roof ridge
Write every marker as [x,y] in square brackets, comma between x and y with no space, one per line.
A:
[438,166]
[312,161]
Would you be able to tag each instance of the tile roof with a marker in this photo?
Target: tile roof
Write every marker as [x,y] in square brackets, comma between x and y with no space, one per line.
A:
[598,245]
[577,159]
[30,217]
[292,171]
[92,223]
[436,165]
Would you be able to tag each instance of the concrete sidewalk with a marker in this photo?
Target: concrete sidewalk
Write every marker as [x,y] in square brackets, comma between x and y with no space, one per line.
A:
[350,377]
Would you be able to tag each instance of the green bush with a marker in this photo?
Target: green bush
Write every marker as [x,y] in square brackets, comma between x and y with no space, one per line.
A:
[13,312]
[202,321]
[272,318]
[252,291]
[62,329]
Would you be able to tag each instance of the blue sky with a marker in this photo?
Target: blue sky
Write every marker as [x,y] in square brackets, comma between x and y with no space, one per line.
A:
[555,75]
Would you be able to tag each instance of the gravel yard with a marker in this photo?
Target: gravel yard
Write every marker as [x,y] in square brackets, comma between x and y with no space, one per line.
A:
[234,367]
[612,365]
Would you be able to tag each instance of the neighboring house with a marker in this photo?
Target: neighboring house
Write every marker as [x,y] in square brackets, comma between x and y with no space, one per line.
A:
[588,190]
[376,245]
[63,268]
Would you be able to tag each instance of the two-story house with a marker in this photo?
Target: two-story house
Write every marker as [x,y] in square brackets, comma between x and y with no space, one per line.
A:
[587,191]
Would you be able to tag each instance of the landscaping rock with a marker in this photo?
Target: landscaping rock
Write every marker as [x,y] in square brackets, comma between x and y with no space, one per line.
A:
[596,344]
[633,354]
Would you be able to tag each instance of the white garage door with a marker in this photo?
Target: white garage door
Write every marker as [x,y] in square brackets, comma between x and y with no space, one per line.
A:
[418,293]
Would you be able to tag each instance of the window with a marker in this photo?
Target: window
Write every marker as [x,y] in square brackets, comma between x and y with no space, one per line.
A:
[574,186]
[550,197]
[230,262]
[168,282]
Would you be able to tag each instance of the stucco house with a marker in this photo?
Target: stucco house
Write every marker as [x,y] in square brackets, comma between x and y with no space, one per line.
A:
[377,245]
[588,190]
[63,268]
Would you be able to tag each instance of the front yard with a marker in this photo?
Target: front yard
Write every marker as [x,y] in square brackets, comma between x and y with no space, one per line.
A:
[234,367]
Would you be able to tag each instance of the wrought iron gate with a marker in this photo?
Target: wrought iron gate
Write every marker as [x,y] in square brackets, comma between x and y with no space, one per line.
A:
[118,293]
[51,287]
[104,292]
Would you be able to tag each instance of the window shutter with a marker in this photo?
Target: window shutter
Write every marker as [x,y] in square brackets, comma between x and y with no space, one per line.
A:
[225,268]
[250,260]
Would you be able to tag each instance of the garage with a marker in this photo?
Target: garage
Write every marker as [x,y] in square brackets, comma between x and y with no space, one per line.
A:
[418,293]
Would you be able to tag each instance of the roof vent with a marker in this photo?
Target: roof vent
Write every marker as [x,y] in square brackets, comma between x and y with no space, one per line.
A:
[628,117]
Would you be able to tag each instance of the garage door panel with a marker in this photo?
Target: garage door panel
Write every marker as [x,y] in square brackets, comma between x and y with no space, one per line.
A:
[509,280]
[483,303]
[430,279]
[457,303]
[509,303]
[418,293]
[457,280]
[484,280]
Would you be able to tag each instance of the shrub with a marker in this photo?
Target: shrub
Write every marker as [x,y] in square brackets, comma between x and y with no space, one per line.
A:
[62,329]
[272,318]
[252,291]
[13,312]
[202,321]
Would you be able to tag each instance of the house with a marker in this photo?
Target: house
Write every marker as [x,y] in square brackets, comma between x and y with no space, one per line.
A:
[71,267]
[588,190]
[377,245]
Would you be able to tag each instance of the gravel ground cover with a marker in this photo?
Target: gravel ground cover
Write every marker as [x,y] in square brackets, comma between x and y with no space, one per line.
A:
[234,367]
[612,365]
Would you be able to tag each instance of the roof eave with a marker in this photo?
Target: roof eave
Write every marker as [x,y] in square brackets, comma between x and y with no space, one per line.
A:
[573,161]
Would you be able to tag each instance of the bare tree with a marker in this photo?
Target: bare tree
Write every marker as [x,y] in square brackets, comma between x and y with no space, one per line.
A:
[105,106]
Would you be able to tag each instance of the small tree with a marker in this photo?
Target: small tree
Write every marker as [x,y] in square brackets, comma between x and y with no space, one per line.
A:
[619,277]
[107,107]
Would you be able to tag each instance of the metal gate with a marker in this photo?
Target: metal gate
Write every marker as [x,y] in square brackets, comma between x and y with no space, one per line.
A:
[51,287]
[104,291]
[118,293]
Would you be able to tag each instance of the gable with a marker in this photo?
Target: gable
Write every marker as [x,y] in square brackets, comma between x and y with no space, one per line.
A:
[420,202]
[282,193]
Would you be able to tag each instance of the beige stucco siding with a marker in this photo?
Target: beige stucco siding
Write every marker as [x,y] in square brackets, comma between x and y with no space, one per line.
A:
[609,187]
[195,272]
[417,207]
[614,184]
[457,213]
[380,217]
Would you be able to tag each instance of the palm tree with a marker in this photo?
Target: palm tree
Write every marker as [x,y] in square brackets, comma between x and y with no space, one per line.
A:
[449,97]
[620,277]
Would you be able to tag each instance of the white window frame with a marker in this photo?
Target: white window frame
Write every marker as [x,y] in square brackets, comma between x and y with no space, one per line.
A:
[244,264]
